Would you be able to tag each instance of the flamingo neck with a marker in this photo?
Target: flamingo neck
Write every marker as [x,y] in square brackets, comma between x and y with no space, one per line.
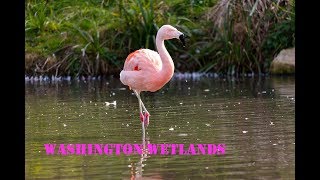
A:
[167,70]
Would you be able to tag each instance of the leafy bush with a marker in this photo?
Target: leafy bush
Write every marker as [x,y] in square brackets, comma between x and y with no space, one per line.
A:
[94,37]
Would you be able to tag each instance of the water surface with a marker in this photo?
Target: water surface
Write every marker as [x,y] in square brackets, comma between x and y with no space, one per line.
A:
[253,117]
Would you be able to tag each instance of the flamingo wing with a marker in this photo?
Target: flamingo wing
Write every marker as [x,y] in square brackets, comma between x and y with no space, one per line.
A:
[140,68]
[143,59]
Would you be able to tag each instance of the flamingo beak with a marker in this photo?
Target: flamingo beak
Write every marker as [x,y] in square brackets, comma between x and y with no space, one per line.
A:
[182,39]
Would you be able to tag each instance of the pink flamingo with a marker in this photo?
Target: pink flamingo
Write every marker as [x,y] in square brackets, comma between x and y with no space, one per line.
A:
[146,70]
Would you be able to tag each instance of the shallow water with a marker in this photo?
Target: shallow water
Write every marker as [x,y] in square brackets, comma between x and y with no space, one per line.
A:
[254,118]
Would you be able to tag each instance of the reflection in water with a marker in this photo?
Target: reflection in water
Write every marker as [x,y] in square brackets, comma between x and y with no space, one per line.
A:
[254,117]
[137,168]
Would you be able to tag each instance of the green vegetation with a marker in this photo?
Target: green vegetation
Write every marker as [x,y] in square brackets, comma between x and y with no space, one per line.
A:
[94,37]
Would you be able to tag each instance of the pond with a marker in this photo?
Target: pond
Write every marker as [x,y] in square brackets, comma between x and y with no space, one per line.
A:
[253,119]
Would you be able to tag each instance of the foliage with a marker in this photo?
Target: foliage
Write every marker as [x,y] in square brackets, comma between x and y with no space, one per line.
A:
[94,37]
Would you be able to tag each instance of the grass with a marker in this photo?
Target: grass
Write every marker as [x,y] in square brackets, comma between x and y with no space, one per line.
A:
[94,37]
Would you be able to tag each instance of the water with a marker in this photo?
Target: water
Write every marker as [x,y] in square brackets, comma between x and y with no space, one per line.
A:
[254,118]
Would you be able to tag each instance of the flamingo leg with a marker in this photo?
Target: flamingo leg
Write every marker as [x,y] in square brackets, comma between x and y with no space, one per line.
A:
[140,110]
[144,117]
[146,114]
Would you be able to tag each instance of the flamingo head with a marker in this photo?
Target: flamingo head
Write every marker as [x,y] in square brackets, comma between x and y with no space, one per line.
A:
[169,32]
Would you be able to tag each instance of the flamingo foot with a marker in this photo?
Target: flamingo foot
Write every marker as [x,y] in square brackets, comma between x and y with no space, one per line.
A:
[146,117]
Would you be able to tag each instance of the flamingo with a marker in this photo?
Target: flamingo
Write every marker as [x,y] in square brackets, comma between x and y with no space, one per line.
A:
[148,70]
